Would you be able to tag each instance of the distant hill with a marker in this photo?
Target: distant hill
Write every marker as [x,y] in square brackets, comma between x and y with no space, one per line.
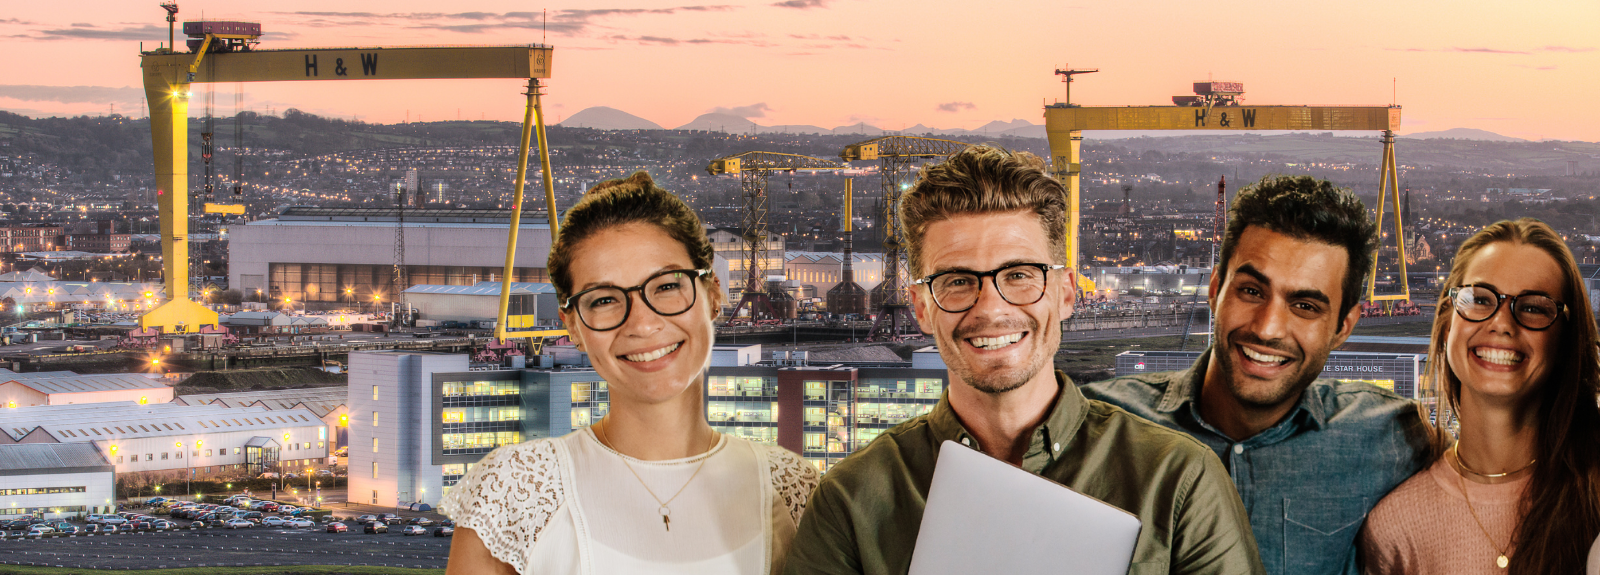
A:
[719,123]
[604,118]
[1463,134]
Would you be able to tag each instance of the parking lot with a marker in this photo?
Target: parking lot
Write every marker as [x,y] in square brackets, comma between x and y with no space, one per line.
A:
[228,548]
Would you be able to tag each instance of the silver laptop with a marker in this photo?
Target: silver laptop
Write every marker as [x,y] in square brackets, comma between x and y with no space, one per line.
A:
[986,516]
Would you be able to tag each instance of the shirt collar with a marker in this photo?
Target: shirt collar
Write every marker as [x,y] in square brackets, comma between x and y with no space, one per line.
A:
[1184,388]
[1065,417]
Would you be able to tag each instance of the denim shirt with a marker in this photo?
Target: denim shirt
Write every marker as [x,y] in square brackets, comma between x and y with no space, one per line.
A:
[1307,482]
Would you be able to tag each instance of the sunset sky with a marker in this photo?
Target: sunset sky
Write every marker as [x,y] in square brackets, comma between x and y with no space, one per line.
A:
[1529,70]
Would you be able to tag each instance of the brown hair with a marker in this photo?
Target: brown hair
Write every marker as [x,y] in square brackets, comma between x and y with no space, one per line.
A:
[635,199]
[983,179]
[1560,511]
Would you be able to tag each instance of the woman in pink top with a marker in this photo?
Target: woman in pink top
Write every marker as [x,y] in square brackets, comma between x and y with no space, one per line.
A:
[1514,360]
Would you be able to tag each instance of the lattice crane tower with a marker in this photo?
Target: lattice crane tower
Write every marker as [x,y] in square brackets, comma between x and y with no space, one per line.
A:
[753,169]
[896,156]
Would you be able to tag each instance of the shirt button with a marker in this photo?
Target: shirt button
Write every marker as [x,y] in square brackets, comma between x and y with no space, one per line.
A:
[966,441]
[1058,447]
[1238,449]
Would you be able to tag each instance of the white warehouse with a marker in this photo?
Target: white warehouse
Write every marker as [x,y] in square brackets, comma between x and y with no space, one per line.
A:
[55,480]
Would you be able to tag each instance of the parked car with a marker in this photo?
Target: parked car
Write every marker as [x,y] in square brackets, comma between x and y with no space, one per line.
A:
[67,528]
[157,500]
[125,528]
[414,530]
[272,521]
[269,506]
[390,518]
[238,524]
[18,525]
[107,518]
[196,524]
[163,525]
[366,518]
[447,523]
[143,525]
[342,451]
[375,527]
[269,475]
[337,527]
[324,473]
[94,528]
[423,521]
[215,523]
[444,531]
[300,523]
[39,530]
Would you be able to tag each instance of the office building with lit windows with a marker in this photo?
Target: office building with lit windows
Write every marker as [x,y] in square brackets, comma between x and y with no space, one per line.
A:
[419,420]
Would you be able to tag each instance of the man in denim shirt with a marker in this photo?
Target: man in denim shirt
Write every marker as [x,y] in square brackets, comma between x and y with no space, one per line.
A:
[1309,456]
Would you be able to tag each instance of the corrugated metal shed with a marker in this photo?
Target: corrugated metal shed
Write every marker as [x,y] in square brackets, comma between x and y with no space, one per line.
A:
[74,383]
[320,400]
[50,456]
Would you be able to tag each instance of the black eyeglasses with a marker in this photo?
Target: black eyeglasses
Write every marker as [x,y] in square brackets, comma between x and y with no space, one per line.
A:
[1476,303]
[667,293]
[957,291]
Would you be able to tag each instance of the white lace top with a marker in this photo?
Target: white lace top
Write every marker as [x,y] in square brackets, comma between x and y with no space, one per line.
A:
[569,505]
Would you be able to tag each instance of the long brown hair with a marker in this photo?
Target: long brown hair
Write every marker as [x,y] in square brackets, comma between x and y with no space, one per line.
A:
[1561,509]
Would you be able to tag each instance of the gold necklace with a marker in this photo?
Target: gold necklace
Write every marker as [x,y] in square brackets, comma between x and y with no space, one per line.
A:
[1502,561]
[1457,450]
[665,510]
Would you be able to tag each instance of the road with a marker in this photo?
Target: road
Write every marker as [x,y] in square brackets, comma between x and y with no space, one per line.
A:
[229,548]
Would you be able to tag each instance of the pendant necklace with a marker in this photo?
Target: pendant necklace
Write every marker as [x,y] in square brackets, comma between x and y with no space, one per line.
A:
[1455,452]
[664,506]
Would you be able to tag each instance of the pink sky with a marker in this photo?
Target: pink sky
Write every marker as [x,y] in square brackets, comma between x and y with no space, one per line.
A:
[1529,70]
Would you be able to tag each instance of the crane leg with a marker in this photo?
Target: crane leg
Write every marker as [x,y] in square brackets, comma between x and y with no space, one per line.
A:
[516,210]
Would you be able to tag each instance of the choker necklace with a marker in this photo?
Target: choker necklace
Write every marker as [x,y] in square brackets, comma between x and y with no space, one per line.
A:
[1502,561]
[1455,450]
[664,509]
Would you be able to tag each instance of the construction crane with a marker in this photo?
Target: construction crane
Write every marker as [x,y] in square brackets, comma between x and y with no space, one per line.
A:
[896,156]
[753,169]
[847,298]
[1218,108]
[168,79]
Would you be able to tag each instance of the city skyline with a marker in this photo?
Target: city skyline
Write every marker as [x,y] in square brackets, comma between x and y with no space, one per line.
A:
[892,65]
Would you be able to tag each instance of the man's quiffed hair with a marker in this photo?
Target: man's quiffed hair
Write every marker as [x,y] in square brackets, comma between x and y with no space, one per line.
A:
[1306,208]
[635,199]
[983,179]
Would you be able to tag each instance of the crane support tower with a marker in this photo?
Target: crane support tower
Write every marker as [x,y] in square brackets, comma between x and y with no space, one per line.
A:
[169,76]
[896,156]
[1065,123]
[846,297]
[753,169]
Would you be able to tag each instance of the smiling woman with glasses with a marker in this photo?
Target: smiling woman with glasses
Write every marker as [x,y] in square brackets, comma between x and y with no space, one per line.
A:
[1513,362]
[651,487]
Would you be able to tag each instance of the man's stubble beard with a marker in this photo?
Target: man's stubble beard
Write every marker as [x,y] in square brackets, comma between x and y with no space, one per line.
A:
[998,381]
[1293,386]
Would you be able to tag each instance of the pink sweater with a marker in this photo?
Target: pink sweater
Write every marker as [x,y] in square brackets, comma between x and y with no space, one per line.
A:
[1424,527]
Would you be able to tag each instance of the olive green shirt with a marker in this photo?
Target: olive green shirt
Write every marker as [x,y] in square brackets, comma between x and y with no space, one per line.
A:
[865,514]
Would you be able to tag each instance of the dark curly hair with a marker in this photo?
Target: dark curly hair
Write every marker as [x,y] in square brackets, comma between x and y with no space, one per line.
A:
[635,199]
[1306,208]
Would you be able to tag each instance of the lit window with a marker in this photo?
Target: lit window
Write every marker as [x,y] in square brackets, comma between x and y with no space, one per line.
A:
[374,419]
[374,393]
[374,445]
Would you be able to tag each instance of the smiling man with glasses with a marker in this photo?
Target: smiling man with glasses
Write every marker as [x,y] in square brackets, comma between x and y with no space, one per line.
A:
[985,232]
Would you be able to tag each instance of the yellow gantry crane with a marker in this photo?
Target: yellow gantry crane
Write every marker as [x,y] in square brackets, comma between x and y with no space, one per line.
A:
[897,157]
[753,169]
[169,75]
[1218,107]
